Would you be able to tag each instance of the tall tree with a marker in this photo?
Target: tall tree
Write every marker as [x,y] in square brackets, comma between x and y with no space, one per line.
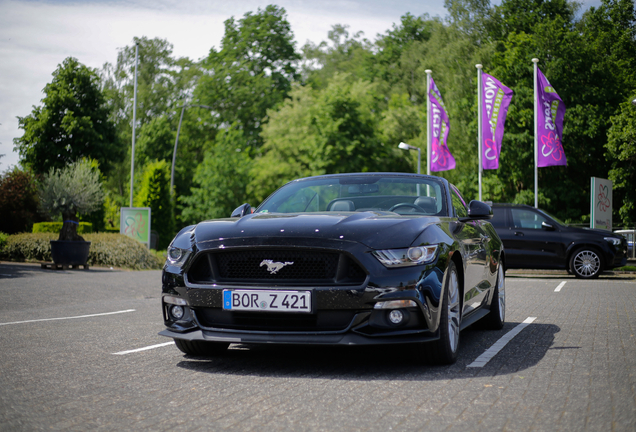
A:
[326,131]
[155,193]
[72,123]
[621,151]
[18,201]
[220,180]
[164,83]
[252,72]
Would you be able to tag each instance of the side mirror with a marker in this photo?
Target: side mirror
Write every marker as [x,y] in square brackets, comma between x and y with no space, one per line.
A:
[477,210]
[242,210]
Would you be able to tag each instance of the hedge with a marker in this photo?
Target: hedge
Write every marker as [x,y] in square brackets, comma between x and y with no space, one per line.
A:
[107,250]
[56,227]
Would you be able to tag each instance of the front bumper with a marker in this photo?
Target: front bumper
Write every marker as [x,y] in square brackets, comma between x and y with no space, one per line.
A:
[343,313]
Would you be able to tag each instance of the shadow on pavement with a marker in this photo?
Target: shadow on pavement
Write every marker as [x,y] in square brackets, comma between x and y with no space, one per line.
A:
[381,362]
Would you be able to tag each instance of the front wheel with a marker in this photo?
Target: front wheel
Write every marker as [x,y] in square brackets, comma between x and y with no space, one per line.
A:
[497,316]
[444,350]
[198,348]
[586,264]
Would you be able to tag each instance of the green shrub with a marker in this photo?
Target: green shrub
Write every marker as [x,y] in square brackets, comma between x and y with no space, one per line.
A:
[3,241]
[28,247]
[56,227]
[118,250]
[107,250]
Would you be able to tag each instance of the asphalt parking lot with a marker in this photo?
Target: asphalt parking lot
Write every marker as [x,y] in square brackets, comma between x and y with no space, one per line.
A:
[79,351]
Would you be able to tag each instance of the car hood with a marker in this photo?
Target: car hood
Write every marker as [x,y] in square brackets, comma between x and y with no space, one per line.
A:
[376,230]
[592,231]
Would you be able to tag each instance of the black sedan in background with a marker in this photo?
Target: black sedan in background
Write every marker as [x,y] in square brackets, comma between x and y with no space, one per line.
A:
[534,239]
[372,258]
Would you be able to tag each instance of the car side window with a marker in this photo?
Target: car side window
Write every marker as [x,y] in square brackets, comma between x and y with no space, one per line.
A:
[458,203]
[523,218]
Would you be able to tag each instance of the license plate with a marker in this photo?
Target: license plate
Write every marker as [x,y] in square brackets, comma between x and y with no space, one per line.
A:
[267,301]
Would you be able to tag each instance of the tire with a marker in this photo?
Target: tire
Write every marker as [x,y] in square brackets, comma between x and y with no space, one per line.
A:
[444,350]
[198,348]
[496,318]
[586,263]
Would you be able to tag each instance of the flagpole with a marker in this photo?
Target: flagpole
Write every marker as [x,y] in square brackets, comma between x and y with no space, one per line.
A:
[536,136]
[479,126]
[428,121]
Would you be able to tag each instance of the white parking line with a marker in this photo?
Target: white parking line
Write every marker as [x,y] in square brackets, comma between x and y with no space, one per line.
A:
[66,318]
[560,286]
[144,348]
[498,346]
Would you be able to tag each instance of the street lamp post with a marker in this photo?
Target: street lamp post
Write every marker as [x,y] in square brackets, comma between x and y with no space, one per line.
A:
[405,146]
[176,142]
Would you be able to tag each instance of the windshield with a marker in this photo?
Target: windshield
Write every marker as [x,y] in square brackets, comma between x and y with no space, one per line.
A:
[403,195]
[556,219]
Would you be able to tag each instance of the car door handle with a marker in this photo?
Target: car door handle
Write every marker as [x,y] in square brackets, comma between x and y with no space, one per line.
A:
[517,233]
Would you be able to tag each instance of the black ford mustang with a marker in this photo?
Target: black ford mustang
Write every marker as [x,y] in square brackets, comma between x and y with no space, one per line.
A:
[371,258]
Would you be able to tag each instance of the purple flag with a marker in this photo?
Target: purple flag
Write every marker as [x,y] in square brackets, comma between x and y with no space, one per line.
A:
[441,157]
[550,110]
[495,101]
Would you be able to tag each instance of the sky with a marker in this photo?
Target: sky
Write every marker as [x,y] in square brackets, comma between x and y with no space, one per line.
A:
[37,35]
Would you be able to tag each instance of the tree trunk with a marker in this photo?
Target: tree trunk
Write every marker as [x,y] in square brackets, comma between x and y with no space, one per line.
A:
[69,229]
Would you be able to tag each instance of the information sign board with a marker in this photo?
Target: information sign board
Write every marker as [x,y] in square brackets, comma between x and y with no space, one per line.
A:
[134,222]
[601,204]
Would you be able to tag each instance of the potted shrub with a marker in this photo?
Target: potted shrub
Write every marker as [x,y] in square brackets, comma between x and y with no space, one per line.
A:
[71,191]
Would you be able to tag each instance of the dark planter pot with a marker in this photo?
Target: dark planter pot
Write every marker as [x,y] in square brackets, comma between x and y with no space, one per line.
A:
[67,252]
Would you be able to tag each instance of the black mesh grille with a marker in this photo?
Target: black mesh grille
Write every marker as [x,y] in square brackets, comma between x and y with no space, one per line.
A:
[282,265]
[332,320]
[275,265]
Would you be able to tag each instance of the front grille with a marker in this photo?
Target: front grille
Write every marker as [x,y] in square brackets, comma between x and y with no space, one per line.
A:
[279,265]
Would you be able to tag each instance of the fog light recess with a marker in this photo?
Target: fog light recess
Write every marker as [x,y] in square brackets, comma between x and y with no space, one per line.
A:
[396,316]
[176,312]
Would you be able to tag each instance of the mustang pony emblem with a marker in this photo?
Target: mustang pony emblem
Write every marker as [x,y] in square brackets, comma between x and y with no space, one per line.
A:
[273,267]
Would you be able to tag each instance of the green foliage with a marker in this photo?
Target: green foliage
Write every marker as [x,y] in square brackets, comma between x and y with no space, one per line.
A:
[163,82]
[56,227]
[116,250]
[220,180]
[28,247]
[581,62]
[345,55]
[621,151]
[155,193]
[69,191]
[155,141]
[326,131]
[18,201]
[72,123]
[359,98]
[107,250]
[252,72]
[3,240]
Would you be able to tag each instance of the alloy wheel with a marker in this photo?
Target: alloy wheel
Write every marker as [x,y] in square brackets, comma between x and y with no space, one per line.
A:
[453,311]
[586,263]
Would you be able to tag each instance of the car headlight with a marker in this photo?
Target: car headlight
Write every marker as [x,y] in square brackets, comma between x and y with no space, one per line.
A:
[177,256]
[613,240]
[406,257]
